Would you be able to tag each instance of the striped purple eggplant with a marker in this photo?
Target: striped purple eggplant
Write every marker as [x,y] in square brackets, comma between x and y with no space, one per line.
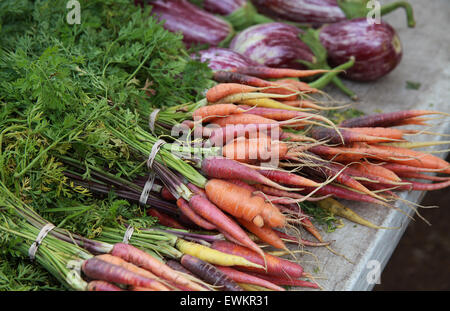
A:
[273,45]
[196,25]
[377,48]
[316,12]
[240,13]
[319,12]
[223,58]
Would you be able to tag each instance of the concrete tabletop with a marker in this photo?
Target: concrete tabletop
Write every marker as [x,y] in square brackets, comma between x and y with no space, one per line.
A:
[426,59]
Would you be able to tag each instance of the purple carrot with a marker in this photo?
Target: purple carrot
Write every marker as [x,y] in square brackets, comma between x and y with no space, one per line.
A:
[209,273]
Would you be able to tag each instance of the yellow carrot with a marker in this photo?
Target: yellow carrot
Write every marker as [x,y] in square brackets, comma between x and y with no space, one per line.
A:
[213,256]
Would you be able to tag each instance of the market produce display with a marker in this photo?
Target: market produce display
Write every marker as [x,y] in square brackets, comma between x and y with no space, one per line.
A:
[190,145]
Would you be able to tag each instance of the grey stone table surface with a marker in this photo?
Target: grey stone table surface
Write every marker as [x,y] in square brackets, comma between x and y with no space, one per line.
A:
[426,59]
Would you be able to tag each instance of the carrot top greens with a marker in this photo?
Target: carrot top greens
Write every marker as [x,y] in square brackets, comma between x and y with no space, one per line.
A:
[58,82]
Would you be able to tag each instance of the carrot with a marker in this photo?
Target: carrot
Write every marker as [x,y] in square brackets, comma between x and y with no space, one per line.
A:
[299,85]
[142,259]
[265,234]
[195,189]
[166,195]
[338,209]
[224,168]
[378,170]
[209,273]
[422,176]
[330,170]
[378,132]
[276,193]
[194,217]
[418,186]
[349,137]
[156,285]
[165,219]
[275,265]
[400,168]
[276,73]
[415,145]
[386,153]
[210,112]
[212,256]
[228,132]
[202,206]
[287,178]
[269,103]
[236,201]
[287,114]
[98,269]
[289,136]
[235,77]
[386,119]
[243,119]
[242,277]
[251,150]
[102,286]
[286,281]
[242,97]
[223,90]
[304,103]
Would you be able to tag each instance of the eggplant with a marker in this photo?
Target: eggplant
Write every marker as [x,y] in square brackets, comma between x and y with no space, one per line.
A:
[222,59]
[273,45]
[240,13]
[196,25]
[319,12]
[376,47]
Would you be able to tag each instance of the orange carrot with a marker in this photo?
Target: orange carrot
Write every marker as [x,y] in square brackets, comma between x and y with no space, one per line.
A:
[276,73]
[378,132]
[142,259]
[385,153]
[251,150]
[235,200]
[210,112]
[246,118]
[265,233]
[242,277]
[298,85]
[227,226]
[166,195]
[156,285]
[222,90]
[378,170]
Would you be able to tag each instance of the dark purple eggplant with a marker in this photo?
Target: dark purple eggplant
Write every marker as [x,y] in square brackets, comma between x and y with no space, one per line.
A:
[319,12]
[240,13]
[196,25]
[223,59]
[273,45]
[376,47]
